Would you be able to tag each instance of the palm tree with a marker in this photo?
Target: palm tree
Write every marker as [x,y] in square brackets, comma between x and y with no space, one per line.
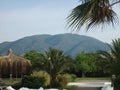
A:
[113,57]
[106,60]
[55,63]
[92,12]
[116,55]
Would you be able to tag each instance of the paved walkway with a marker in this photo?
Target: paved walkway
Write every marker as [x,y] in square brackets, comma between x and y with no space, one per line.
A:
[94,81]
[88,88]
[91,88]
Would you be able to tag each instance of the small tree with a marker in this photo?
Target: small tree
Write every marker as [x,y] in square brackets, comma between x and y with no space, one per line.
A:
[36,59]
[86,62]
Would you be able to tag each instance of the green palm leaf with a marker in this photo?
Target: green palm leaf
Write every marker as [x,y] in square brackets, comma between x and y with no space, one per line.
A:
[113,57]
[91,12]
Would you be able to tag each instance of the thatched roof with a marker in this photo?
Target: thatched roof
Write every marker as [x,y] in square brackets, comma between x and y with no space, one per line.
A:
[11,64]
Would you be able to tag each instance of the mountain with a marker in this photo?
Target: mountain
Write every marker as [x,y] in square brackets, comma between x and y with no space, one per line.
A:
[71,44]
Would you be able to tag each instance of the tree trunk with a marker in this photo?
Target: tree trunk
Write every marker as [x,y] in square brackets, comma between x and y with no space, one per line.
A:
[83,74]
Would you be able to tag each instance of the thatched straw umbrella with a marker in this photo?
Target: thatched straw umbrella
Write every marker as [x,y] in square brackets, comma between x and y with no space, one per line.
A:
[14,66]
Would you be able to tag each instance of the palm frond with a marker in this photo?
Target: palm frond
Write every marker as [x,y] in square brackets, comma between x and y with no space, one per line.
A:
[91,12]
[113,57]
[78,16]
[116,48]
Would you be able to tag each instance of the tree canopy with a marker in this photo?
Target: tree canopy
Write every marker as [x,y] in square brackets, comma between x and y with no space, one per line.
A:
[86,62]
[36,59]
[55,63]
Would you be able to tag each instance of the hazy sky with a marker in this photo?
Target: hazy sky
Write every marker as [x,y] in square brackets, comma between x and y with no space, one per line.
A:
[21,18]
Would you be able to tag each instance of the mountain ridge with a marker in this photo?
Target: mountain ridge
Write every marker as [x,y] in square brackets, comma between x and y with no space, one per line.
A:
[71,44]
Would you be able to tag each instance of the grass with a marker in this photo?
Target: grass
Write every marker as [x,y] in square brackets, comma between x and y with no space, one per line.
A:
[71,88]
[93,78]
[10,81]
[16,80]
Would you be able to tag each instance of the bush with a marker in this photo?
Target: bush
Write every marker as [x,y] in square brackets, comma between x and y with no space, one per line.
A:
[33,82]
[42,74]
[65,78]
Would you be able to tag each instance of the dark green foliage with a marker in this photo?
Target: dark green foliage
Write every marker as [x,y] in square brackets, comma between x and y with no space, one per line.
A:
[112,57]
[117,83]
[36,59]
[71,44]
[53,61]
[63,80]
[66,78]
[33,82]
[115,51]
[104,59]
[42,74]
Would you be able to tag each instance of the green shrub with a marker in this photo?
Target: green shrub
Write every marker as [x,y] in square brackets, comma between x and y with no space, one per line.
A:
[33,82]
[73,76]
[65,78]
[42,74]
